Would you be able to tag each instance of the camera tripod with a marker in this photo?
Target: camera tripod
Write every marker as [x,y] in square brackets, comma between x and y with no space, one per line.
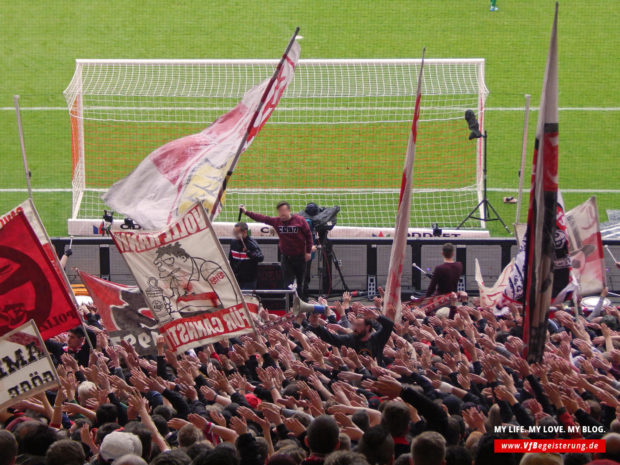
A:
[484,204]
[326,258]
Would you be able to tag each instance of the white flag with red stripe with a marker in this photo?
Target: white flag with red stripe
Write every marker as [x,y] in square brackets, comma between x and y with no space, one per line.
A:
[541,223]
[196,167]
[391,305]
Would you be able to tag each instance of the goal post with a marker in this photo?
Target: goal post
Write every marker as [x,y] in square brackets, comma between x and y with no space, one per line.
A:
[338,136]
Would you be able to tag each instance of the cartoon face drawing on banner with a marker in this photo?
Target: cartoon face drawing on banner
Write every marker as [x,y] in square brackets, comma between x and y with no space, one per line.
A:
[187,285]
[26,291]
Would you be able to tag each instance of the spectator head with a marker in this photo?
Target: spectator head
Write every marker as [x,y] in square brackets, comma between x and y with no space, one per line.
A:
[284,210]
[199,448]
[297,454]
[360,419]
[104,430]
[117,444]
[76,337]
[429,448]
[471,443]
[144,434]
[241,230]
[322,435]
[362,327]
[164,411]
[485,451]
[541,459]
[218,456]
[161,424]
[188,435]
[281,459]
[595,408]
[65,452]
[395,418]
[86,390]
[345,457]
[457,455]
[8,448]
[345,442]
[34,438]
[377,446]
[548,423]
[577,458]
[612,447]
[614,427]
[130,459]
[403,459]
[172,457]
[106,413]
[456,430]
[448,250]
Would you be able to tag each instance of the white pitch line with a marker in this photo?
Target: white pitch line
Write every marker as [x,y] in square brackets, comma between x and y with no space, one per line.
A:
[311,109]
[343,190]
[16,190]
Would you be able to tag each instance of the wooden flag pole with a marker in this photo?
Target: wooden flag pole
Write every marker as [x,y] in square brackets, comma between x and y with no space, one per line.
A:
[20,129]
[523,155]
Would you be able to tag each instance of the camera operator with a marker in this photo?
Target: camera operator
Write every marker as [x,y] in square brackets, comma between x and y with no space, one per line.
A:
[295,244]
[244,257]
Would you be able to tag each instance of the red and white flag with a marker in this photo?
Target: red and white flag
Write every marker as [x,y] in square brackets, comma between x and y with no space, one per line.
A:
[31,283]
[391,305]
[187,281]
[194,168]
[542,214]
[586,247]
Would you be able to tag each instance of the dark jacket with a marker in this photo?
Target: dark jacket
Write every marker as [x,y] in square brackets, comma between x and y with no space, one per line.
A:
[374,345]
[244,260]
[445,278]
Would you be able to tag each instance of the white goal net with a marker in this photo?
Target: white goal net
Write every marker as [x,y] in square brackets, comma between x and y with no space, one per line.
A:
[338,136]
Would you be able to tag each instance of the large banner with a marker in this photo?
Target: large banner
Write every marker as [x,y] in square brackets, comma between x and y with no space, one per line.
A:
[31,282]
[194,168]
[26,367]
[187,281]
[125,315]
[586,247]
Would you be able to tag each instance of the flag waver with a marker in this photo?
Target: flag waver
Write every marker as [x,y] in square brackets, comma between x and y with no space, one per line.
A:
[391,306]
[197,167]
[541,224]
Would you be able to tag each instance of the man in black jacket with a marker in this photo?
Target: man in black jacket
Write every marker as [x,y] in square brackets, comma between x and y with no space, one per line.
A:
[364,340]
[244,257]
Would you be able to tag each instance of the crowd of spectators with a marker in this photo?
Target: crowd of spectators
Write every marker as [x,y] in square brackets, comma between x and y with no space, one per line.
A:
[350,387]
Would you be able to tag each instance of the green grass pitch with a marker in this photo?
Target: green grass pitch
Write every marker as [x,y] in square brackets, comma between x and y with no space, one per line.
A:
[42,39]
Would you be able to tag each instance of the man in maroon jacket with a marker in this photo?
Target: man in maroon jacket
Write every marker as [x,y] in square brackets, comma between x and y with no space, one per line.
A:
[445,276]
[295,241]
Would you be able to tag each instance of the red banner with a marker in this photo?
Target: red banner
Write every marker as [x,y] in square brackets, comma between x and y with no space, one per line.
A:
[184,333]
[124,313]
[30,286]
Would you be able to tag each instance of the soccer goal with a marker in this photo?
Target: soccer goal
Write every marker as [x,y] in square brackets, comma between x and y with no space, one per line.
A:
[338,136]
